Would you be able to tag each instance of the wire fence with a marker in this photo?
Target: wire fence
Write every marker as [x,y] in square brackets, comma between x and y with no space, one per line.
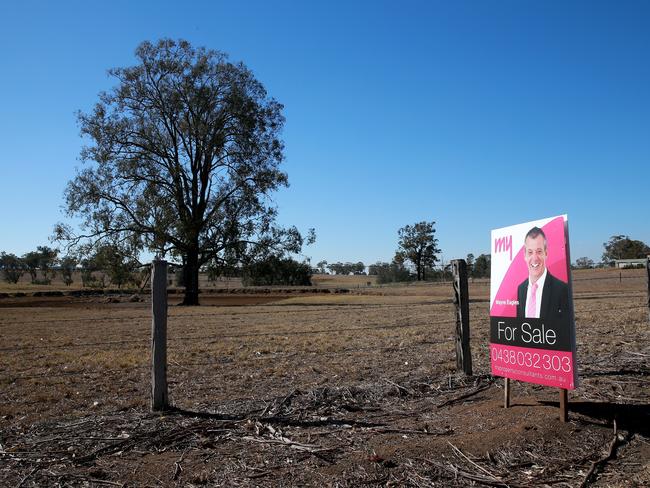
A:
[406,321]
[226,336]
[20,375]
[266,309]
[275,333]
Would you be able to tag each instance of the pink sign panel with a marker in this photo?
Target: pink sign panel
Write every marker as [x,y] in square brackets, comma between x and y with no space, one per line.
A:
[532,331]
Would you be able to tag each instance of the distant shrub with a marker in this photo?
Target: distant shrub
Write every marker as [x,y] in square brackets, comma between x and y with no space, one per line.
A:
[89,280]
[220,270]
[392,273]
[12,267]
[439,275]
[68,265]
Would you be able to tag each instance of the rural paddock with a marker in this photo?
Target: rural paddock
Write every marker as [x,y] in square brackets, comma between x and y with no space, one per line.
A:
[310,389]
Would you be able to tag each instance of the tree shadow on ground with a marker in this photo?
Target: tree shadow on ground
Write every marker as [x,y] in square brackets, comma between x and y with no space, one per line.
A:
[269,419]
[633,418]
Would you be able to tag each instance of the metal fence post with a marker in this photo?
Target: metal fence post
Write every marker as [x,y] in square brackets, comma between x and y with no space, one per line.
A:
[159,399]
[461,300]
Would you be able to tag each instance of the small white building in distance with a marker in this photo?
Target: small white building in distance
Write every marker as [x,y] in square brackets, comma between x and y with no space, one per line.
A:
[630,263]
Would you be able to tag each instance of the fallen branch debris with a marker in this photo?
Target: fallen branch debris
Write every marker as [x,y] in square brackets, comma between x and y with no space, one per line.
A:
[616,441]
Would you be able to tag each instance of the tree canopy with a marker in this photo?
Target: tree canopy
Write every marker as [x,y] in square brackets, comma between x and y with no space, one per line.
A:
[68,266]
[277,271]
[418,245]
[12,267]
[584,263]
[393,272]
[347,268]
[118,267]
[481,268]
[622,247]
[184,153]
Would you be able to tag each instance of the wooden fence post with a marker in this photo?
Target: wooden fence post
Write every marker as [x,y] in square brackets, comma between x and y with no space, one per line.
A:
[647,269]
[159,399]
[461,300]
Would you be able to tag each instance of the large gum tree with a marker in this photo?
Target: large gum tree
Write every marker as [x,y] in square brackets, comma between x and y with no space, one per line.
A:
[183,155]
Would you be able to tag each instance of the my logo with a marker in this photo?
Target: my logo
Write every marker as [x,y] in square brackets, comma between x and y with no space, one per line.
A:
[503,244]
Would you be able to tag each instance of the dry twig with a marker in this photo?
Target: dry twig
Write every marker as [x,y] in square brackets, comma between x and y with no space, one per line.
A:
[614,443]
[456,471]
[462,454]
[178,469]
[400,389]
[28,475]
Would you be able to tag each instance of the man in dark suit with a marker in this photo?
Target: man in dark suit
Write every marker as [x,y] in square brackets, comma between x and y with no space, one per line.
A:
[542,295]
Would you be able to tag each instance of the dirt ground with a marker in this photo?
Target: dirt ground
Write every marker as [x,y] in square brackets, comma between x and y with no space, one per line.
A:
[294,388]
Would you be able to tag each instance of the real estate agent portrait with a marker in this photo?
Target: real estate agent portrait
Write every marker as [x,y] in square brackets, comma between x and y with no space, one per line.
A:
[542,295]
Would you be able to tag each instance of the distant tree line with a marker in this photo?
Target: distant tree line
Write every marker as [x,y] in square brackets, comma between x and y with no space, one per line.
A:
[104,262]
[338,268]
[43,261]
[277,271]
[617,247]
[416,258]
[109,264]
[272,270]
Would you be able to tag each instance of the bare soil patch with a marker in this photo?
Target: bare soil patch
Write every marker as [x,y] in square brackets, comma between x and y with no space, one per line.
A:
[293,389]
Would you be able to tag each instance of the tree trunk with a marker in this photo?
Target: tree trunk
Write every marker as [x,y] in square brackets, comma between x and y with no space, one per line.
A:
[191,278]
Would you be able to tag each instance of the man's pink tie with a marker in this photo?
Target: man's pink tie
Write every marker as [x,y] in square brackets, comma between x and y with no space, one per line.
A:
[532,304]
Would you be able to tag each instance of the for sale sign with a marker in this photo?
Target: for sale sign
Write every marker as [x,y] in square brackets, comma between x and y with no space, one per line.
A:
[532,331]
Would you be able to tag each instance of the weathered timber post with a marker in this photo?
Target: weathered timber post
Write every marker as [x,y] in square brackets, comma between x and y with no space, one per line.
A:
[564,405]
[159,400]
[461,300]
[647,269]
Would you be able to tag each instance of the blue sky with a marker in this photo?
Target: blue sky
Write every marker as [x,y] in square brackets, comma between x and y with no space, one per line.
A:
[477,115]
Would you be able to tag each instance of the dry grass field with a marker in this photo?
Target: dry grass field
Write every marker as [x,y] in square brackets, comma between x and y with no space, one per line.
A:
[281,388]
